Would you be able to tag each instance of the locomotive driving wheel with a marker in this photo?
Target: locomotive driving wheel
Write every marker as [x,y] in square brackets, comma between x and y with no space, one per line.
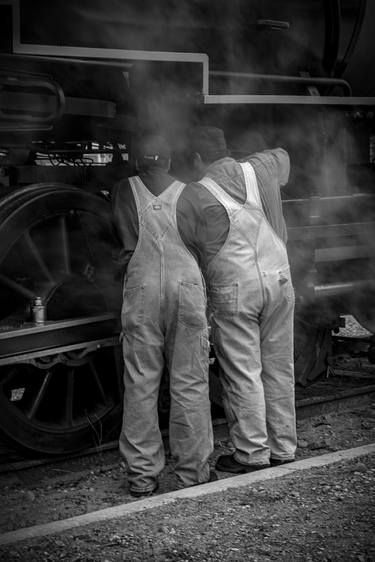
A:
[60,377]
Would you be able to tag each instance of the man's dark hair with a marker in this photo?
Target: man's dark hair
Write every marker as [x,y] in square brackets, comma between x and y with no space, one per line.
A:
[209,143]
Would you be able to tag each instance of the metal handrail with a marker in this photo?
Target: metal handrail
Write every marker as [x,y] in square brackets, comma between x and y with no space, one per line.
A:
[309,80]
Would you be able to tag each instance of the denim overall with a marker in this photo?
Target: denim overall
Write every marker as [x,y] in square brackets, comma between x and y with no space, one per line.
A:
[251,302]
[164,326]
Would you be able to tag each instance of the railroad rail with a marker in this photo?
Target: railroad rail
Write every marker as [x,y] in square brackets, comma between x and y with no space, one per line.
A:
[357,388]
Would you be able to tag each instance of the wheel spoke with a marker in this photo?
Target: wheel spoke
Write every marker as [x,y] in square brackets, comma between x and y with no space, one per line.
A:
[38,257]
[42,391]
[98,382]
[17,287]
[65,244]
[69,398]
[85,236]
[5,378]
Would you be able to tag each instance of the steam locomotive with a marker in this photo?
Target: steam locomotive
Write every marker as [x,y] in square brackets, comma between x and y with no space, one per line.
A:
[79,81]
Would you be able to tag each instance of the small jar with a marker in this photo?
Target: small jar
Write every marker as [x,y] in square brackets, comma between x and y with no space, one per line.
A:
[38,310]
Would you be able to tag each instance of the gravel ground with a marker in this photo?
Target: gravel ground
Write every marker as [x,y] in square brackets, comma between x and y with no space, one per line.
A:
[64,490]
[324,514]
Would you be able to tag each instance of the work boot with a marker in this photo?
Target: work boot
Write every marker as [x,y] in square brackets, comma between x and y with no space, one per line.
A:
[279,462]
[143,493]
[227,463]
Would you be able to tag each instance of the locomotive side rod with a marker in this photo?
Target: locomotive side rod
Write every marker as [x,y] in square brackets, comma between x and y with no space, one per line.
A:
[329,290]
[24,344]
[311,232]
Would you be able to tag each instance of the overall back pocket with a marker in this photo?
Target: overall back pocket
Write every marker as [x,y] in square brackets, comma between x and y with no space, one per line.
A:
[192,305]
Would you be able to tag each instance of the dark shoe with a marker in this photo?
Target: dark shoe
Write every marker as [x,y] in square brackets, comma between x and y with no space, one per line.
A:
[142,493]
[213,476]
[279,462]
[227,463]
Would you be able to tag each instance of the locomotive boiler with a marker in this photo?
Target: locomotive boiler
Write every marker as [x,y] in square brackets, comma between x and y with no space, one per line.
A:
[79,81]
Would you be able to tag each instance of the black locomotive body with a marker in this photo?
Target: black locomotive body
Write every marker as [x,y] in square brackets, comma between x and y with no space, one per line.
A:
[79,81]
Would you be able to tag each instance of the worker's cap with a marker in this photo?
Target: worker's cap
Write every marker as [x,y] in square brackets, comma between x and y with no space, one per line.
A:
[152,147]
[209,142]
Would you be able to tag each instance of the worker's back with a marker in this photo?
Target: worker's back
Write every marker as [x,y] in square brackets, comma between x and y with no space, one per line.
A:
[161,271]
[251,249]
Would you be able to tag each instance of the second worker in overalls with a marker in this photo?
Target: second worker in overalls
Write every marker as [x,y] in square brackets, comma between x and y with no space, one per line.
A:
[237,229]
[164,326]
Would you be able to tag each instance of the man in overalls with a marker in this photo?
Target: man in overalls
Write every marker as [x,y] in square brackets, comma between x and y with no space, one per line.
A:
[163,326]
[240,234]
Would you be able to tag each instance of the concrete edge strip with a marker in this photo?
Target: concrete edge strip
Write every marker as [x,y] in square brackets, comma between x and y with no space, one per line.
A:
[122,510]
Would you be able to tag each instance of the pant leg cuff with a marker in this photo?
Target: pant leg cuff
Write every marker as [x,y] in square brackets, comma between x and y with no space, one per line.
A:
[258,462]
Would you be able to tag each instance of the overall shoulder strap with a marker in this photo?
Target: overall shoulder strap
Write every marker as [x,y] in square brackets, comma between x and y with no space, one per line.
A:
[252,190]
[144,199]
[142,195]
[253,195]
[221,195]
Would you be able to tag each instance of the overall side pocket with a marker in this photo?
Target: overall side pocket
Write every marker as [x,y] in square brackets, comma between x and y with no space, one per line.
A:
[132,312]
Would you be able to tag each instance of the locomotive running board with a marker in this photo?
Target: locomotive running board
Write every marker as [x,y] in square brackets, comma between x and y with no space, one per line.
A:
[227,99]
[23,344]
